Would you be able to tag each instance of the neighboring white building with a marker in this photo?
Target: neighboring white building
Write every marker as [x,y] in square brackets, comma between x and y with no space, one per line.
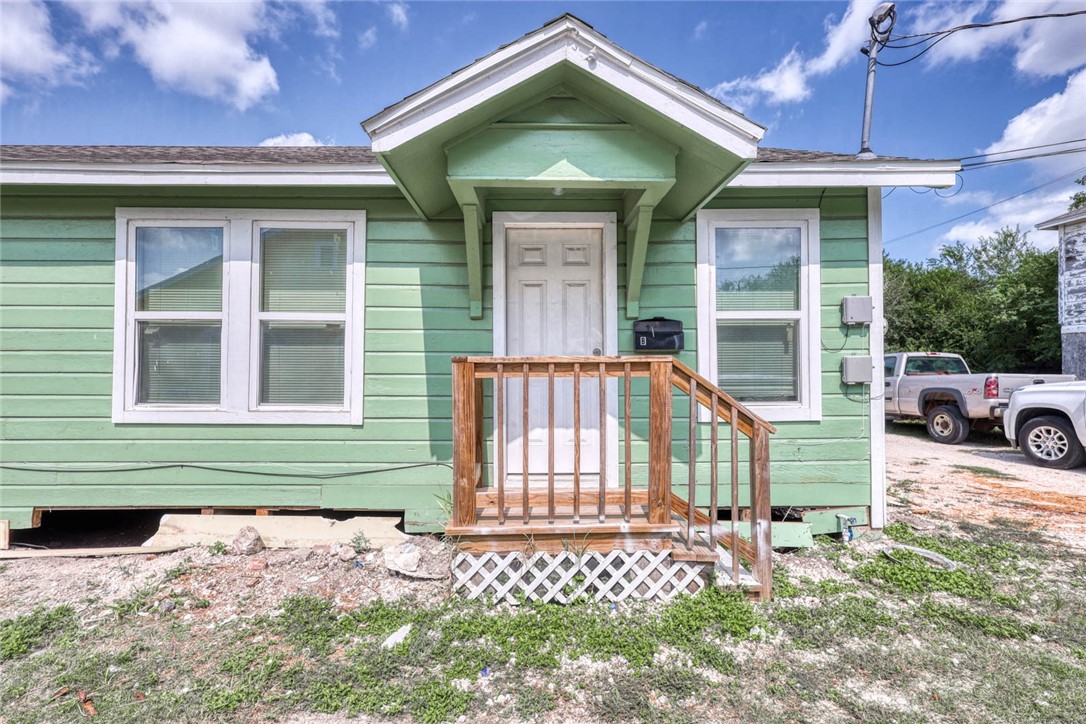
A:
[1072,229]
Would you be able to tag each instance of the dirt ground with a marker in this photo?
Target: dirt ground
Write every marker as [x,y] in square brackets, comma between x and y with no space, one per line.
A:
[981,480]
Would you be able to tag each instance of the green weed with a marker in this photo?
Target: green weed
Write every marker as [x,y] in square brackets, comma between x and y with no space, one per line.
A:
[19,635]
[825,624]
[990,624]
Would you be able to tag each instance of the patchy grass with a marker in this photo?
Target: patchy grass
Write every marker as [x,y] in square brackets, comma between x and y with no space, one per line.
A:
[851,634]
[986,472]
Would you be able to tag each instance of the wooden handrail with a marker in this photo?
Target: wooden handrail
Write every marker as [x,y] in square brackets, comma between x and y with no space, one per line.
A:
[655,506]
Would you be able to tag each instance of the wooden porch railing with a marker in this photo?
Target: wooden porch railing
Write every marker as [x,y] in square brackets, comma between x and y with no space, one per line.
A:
[499,511]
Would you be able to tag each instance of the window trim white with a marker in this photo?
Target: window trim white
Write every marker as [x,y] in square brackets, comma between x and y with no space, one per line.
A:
[240,362]
[809,406]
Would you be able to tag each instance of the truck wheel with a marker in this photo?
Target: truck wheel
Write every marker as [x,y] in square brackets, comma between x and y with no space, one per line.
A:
[946,425]
[1051,442]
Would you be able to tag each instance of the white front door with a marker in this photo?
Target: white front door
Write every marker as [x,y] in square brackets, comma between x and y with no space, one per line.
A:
[554,308]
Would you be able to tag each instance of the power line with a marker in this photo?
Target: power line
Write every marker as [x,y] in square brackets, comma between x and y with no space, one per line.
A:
[985,208]
[937,36]
[1026,148]
[1000,161]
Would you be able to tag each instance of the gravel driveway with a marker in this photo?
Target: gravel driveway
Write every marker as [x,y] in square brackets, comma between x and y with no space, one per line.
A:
[981,480]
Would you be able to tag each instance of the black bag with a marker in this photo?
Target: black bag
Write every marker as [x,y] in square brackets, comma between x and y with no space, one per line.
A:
[658,334]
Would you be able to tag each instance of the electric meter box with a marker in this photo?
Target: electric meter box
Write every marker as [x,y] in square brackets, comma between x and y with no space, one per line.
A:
[856,370]
[857,310]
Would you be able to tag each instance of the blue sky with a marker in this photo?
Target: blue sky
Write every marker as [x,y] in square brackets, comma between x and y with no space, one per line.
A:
[245,73]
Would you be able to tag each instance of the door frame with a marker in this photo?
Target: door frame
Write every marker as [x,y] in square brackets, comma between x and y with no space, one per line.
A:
[607,222]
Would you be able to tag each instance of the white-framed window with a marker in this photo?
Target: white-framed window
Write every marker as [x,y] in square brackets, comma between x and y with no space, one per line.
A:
[758,309]
[248,316]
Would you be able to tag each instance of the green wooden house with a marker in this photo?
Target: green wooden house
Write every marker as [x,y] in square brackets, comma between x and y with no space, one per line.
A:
[209,327]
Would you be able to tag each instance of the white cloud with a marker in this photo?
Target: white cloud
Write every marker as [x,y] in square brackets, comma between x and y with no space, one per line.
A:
[789,80]
[294,139]
[700,28]
[203,48]
[1060,117]
[1023,212]
[368,38]
[397,13]
[323,17]
[30,55]
[1043,48]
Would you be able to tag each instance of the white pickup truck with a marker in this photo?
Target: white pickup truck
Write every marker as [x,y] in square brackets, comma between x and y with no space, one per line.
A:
[938,387]
[1049,423]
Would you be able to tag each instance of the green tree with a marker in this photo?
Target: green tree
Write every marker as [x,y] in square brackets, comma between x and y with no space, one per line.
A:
[994,303]
[1078,199]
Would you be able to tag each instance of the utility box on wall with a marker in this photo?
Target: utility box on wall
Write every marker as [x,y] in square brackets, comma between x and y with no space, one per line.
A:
[856,370]
[857,310]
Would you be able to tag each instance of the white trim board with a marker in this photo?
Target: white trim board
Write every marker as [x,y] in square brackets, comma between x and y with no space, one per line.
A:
[756,175]
[608,223]
[877,343]
[164,174]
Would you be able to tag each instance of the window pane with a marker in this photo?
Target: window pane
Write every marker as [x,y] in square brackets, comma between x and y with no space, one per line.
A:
[304,270]
[178,269]
[179,362]
[757,268]
[757,361]
[301,364]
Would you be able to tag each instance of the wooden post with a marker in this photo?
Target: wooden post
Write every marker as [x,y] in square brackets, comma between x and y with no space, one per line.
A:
[760,505]
[659,442]
[5,535]
[464,447]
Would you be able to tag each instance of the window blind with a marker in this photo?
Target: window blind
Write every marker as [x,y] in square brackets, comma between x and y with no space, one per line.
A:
[179,362]
[757,269]
[757,360]
[178,269]
[301,363]
[303,270]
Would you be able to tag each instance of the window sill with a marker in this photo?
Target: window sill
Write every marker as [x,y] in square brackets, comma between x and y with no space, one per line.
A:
[212,416]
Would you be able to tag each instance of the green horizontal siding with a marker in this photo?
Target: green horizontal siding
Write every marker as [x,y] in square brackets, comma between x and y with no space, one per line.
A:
[56,317]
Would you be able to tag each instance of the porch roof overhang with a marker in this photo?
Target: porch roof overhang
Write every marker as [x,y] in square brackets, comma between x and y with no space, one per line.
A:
[505,122]
[564,57]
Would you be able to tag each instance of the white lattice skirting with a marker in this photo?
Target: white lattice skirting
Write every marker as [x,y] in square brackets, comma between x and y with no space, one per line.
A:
[565,577]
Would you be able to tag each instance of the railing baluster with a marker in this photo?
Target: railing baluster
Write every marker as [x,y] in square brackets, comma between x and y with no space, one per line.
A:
[603,442]
[550,443]
[524,443]
[499,429]
[760,532]
[629,477]
[714,477]
[576,443]
[660,408]
[735,494]
[692,478]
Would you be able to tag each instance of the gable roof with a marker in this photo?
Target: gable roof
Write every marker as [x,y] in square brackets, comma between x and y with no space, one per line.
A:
[1071,217]
[567,40]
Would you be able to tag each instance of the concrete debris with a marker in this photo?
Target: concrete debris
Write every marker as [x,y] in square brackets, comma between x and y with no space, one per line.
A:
[248,542]
[410,560]
[166,605]
[258,564]
[398,637]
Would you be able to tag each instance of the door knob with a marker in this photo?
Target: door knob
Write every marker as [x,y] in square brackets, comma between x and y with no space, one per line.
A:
[595,351]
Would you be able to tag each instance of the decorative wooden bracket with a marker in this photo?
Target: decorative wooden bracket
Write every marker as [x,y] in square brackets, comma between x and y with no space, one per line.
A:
[473,227]
[638,225]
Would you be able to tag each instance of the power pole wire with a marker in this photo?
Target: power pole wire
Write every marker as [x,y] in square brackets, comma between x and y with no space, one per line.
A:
[985,208]
[941,35]
[1026,148]
[1000,161]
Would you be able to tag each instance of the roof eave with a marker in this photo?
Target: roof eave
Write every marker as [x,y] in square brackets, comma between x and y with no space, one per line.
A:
[1071,217]
[933,174]
[195,174]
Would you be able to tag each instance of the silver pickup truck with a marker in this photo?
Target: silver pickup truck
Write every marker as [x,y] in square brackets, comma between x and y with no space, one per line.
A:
[938,387]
